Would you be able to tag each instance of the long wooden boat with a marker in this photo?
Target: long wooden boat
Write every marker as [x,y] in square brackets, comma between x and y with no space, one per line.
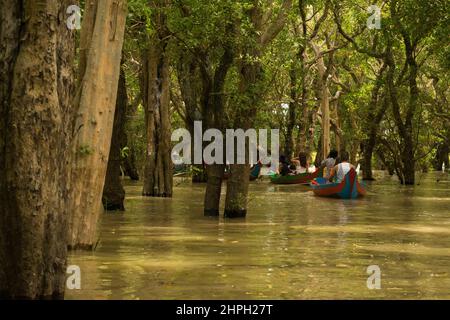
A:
[303,178]
[350,188]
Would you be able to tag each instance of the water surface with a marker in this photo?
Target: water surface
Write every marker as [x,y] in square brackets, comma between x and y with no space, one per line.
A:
[292,245]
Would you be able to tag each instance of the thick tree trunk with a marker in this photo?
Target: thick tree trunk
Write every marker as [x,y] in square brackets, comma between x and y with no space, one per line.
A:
[238,181]
[367,159]
[101,42]
[189,80]
[409,168]
[213,107]
[213,189]
[158,172]
[113,192]
[237,191]
[36,83]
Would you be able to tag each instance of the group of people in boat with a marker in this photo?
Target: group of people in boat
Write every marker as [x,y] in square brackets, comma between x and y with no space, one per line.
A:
[335,166]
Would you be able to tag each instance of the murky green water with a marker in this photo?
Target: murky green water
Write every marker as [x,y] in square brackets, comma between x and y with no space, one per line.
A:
[291,246]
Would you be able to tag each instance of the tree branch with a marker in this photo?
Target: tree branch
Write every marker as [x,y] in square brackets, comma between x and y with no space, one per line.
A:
[275,28]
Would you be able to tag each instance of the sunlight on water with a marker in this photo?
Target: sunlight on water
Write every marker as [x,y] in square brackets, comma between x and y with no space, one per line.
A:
[291,246]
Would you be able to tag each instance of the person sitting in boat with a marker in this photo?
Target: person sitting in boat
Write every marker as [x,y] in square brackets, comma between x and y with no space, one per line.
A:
[284,168]
[329,163]
[303,164]
[340,171]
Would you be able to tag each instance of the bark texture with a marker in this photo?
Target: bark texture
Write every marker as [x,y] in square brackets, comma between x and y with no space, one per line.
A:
[36,57]
[213,104]
[101,42]
[158,172]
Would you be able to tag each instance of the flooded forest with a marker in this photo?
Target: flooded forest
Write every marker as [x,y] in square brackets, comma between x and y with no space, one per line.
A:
[224,149]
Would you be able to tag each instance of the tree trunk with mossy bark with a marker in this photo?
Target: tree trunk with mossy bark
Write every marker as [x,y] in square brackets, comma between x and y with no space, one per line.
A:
[36,85]
[158,171]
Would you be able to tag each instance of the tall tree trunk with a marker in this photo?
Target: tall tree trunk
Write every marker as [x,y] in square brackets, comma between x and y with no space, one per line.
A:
[407,166]
[250,87]
[326,127]
[238,181]
[188,79]
[408,156]
[213,109]
[101,42]
[158,173]
[376,114]
[292,112]
[36,85]
[324,101]
[370,144]
[213,189]
[339,143]
[237,191]
[113,192]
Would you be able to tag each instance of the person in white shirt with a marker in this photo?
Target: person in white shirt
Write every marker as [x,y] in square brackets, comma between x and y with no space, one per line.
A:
[340,171]
[329,163]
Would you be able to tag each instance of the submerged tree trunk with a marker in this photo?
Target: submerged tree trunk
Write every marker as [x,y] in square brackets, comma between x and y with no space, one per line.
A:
[213,189]
[238,181]
[213,109]
[113,192]
[101,42]
[36,84]
[158,173]
[251,76]
[237,191]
